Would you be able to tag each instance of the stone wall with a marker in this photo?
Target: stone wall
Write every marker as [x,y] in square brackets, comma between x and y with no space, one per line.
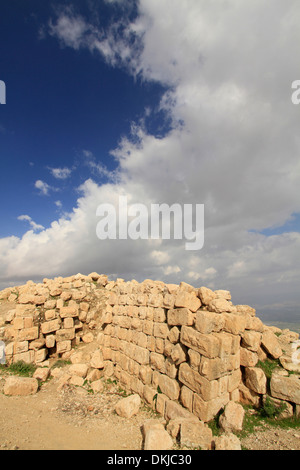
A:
[51,318]
[185,350]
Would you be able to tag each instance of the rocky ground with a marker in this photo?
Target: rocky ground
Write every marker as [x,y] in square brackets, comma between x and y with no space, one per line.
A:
[71,418]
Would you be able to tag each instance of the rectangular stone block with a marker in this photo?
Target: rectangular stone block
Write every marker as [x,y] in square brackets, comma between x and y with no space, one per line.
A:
[50,341]
[180,316]
[160,330]
[207,345]
[206,389]
[28,334]
[20,347]
[207,410]
[63,346]
[50,326]
[141,355]
[65,334]
[169,387]
[68,312]
[208,322]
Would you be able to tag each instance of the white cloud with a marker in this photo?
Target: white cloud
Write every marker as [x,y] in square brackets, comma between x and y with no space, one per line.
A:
[33,225]
[233,147]
[44,188]
[61,173]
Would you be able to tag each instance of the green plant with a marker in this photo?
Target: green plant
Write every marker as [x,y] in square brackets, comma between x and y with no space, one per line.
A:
[268,366]
[269,408]
[156,395]
[61,363]
[22,368]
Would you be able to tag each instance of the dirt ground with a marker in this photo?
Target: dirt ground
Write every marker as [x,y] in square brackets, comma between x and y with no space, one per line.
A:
[69,419]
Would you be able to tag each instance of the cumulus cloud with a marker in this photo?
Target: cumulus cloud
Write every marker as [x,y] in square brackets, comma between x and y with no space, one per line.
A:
[233,147]
[33,225]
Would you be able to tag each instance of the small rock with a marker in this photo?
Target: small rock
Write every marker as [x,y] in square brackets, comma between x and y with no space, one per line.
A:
[129,406]
[157,439]
[227,442]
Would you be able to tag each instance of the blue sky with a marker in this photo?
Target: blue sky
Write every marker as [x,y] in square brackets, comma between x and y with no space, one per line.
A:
[60,104]
[163,101]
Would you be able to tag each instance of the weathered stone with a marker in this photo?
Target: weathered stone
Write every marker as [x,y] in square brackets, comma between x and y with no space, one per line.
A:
[206,389]
[220,305]
[68,312]
[50,326]
[29,334]
[180,316]
[178,354]
[97,361]
[41,373]
[256,379]
[248,358]
[157,439]
[286,388]
[223,294]
[234,324]
[207,410]
[187,300]
[20,386]
[208,345]
[129,406]
[227,441]
[194,434]
[232,418]
[169,387]
[208,322]
[206,295]
[270,342]
[251,340]
[65,334]
[79,369]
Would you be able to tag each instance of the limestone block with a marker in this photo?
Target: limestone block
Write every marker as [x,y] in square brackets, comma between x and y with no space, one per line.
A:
[206,389]
[194,434]
[208,322]
[248,358]
[251,340]
[207,345]
[220,305]
[228,441]
[158,439]
[233,417]
[256,379]
[129,406]
[29,334]
[68,312]
[187,300]
[286,388]
[20,386]
[65,334]
[180,316]
[50,326]
[271,344]
[206,295]
[207,410]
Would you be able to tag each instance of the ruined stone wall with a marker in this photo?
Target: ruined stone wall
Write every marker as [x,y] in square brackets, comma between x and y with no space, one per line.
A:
[186,351]
[49,319]
[177,345]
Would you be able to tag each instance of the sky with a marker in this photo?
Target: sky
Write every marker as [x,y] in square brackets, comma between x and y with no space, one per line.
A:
[162,102]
